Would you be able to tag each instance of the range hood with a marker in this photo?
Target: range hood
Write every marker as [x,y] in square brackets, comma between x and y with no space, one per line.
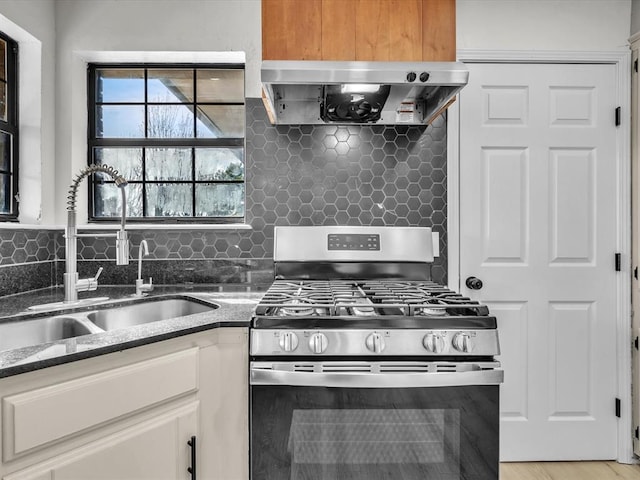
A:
[302,92]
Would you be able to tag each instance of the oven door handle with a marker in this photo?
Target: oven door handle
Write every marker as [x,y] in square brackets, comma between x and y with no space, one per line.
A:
[265,376]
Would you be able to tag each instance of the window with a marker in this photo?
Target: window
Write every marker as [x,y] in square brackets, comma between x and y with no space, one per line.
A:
[8,129]
[176,133]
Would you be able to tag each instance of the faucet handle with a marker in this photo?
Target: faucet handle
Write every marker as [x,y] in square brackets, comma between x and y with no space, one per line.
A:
[95,278]
[88,284]
[142,287]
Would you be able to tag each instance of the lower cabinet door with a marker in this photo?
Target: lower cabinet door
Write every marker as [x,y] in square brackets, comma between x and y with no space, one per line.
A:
[155,449]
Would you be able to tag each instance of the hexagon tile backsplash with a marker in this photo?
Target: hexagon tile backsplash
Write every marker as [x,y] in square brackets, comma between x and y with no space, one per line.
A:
[295,175]
[27,259]
[345,175]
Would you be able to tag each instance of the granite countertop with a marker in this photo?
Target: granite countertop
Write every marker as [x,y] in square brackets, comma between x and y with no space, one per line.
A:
[234,303]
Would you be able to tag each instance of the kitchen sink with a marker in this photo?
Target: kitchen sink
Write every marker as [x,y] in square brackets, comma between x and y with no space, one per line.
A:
[25,333]
[28,331]
[148,310]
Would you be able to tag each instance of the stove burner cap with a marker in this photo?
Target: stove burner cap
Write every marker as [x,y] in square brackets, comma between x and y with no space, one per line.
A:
[363,311]
[297,308]
[431,311]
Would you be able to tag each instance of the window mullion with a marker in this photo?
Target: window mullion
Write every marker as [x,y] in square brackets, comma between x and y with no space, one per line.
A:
[170,142]
[193,150]
[144,182]
[145,206]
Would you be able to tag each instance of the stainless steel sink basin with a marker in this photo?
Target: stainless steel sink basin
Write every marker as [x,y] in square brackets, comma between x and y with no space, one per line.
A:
[28,331]
[25,333]
[149,310]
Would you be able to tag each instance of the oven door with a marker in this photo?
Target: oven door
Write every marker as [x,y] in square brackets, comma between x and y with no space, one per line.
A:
[361,420]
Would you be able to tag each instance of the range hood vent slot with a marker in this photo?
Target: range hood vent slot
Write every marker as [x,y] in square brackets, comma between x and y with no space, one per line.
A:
[353,107]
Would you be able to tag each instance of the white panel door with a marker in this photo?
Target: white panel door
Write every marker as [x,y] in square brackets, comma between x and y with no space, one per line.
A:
[538,227]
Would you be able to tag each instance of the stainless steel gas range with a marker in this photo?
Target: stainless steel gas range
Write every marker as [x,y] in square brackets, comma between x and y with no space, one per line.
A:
[362,368]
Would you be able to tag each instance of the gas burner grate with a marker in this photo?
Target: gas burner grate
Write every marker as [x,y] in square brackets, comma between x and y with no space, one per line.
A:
[304,298]
[365,298]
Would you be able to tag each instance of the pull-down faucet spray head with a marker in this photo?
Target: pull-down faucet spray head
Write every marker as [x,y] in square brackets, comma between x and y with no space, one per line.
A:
[122,243]
[71,282]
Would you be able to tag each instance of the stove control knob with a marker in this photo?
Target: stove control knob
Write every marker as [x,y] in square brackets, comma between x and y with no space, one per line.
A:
[434,342]
[462,342]
[318,342]
[288,341]
[375,342]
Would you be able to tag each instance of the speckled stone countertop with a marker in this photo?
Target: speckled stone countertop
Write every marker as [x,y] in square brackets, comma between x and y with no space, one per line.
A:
[234,307]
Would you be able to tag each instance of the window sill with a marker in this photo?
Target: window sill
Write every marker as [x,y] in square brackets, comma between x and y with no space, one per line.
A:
[166,226]
[27,226]
[131,226]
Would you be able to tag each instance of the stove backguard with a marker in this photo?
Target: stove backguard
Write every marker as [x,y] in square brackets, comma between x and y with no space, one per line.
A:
[331,244]
[352,271]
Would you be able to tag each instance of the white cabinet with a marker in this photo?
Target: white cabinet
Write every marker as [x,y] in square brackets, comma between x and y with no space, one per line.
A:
[151,450]
[130,415]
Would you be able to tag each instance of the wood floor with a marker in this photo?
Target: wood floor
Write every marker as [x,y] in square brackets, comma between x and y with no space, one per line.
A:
[569,471]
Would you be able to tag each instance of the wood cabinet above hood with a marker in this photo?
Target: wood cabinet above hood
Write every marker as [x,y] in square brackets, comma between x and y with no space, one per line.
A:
[364,30]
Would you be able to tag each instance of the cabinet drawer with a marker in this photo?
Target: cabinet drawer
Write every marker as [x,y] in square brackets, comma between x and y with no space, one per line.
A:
[38,417]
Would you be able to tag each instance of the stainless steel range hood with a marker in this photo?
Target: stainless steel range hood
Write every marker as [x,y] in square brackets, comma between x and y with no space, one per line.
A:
[388,93]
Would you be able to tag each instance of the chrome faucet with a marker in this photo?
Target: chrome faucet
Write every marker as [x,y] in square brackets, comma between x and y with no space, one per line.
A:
[72,284]
[142,287]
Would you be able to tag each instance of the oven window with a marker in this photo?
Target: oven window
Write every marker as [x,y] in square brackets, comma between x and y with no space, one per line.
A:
[352,441]
[316,433]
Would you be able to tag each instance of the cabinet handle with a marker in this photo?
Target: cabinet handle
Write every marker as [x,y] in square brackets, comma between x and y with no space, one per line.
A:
[192,468]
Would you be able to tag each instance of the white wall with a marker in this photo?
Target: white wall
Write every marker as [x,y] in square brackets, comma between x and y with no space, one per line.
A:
[31,24]
[635,17]
[599,25]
